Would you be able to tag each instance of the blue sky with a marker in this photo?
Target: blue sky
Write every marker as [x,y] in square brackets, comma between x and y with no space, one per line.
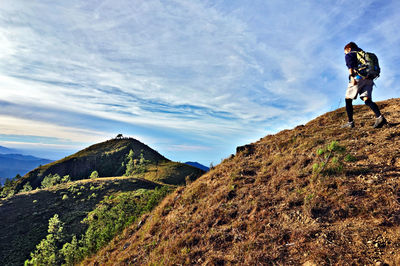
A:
[192,79]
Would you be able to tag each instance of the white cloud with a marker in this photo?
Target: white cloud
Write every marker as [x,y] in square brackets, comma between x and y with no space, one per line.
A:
[192,148]
[203,68]
[31,145]
[16,126]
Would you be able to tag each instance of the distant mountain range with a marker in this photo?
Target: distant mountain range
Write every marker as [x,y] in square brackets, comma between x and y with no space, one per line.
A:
[198,165]
[12,164]
[4,150]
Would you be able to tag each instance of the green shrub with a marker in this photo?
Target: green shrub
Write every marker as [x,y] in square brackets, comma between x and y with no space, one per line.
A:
[330,163]
[27,187]
[71,252]
[135,166]
[9,187]
[51,180]
[47,251]
[66,179]
[350,158]
[94,175]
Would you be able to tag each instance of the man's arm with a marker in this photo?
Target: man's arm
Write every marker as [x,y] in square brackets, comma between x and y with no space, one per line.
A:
[352,74]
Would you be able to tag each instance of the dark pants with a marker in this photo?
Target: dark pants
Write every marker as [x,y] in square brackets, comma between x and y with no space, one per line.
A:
[369,103]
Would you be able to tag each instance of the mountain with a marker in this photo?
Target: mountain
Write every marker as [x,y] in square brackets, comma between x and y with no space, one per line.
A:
[4,150]
[13,164]
[198,165]
[314,195]
[107,158]
[106,204]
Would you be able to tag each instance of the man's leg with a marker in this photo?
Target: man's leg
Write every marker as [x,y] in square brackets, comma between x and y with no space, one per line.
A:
[372,105]
[351,93]
[380,120]
[349,109]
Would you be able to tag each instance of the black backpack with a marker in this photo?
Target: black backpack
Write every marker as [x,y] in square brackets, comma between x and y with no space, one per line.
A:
[368,65]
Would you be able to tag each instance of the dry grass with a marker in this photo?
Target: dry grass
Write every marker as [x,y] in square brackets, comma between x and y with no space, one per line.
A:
[267,206]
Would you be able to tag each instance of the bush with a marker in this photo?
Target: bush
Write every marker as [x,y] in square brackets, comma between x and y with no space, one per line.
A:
[9,187]
[94,175]
[51,180]
[350,158]
[135,166]
[66,179]
[330,163]
[70,251]
[27,187]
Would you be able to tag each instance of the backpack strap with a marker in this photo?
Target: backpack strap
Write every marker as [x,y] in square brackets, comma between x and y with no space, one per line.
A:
[360,66]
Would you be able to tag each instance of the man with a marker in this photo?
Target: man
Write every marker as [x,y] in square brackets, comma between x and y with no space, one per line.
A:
[358,85]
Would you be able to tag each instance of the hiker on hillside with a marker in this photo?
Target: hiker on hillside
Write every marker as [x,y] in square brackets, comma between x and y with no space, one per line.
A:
[359,85]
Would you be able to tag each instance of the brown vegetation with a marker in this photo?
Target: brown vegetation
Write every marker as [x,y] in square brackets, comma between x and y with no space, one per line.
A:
[276,203]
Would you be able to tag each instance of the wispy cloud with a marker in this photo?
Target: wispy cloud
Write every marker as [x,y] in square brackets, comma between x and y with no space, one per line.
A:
[196,72]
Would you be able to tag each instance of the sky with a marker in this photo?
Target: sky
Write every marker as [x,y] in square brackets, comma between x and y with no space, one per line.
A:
[191,79]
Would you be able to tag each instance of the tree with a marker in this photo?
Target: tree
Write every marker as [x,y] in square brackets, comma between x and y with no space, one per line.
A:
[66,179]
[141,167]
[27,187]
[47,251]
[8,189]
[51,180]
[130,166]
[71,252]
[94,175]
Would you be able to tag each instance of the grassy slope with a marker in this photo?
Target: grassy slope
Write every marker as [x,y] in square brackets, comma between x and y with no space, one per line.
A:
[172,173]
[265,205]
[24,217]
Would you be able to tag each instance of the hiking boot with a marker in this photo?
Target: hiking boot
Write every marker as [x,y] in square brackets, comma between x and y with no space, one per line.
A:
[348,125]
[379,122]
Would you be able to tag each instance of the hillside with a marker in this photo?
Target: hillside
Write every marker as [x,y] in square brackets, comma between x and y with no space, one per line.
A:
[313,195]
[107,158]
[24,215]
